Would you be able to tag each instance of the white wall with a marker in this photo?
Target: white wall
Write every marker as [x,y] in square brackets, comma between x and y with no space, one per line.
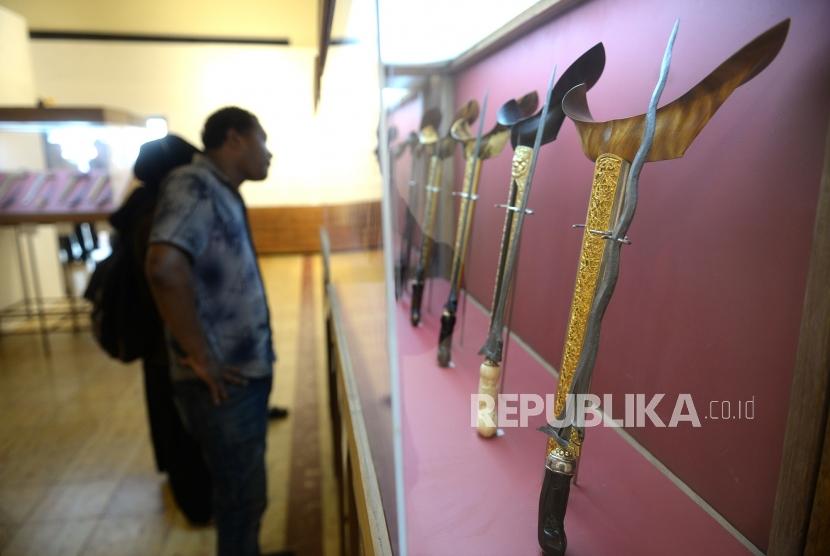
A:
[21,152]
[295,20]
[320,158]
[17,84]
[325,157]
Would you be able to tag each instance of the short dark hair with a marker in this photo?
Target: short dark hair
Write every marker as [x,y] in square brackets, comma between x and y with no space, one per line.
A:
[223,120]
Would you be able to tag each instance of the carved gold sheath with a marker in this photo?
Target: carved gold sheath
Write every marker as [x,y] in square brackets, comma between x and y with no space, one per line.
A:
[430,209]
[610,174]
[518,184]
[472,171]
[490,370]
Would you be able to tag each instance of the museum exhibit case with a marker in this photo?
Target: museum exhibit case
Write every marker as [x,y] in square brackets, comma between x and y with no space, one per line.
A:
[563,377]
[63,171]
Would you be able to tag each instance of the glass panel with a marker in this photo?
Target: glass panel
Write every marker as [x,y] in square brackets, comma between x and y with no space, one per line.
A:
[360,261]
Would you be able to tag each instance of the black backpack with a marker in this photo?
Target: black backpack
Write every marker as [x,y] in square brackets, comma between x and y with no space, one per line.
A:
[125,321]
[118,318]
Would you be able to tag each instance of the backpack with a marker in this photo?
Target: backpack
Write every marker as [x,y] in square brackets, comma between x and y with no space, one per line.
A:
[124,318]
[118,318]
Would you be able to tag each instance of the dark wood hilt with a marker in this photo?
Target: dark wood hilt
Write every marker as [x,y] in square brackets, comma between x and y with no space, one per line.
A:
[417,299]
[585,70]
[448,319]
[402,267]
[553,502]
[680,121]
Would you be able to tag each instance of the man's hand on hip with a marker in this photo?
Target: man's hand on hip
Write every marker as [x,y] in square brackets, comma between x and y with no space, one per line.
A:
[215,376]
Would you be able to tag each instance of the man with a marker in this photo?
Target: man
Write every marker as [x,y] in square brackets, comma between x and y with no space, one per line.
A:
[177,452]
[204,276]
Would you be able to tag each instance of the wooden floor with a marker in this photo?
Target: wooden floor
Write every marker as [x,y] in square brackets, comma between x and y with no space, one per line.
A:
[76,467]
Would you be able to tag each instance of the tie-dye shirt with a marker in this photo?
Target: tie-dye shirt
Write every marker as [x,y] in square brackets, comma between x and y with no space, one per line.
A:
[199,212]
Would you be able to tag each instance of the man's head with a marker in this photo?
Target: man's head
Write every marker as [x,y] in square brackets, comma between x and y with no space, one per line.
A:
[235,139]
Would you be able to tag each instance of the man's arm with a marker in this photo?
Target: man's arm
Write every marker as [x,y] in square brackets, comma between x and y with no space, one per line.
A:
[170,275]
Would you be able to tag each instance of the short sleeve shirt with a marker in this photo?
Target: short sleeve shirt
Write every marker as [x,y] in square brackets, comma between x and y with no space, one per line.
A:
[199,212]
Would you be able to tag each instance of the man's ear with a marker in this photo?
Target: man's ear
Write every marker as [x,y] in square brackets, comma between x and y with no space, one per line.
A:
[233,138]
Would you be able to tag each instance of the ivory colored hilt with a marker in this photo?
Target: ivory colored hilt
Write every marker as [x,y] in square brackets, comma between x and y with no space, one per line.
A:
[489,375]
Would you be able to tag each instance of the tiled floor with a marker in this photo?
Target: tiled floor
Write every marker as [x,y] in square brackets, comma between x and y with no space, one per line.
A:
[76,467]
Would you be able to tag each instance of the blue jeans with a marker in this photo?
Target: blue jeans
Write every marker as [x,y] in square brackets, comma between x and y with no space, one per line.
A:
[232,439]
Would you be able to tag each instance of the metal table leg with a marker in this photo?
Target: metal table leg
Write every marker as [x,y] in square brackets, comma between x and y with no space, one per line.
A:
[40,309]
[24,280]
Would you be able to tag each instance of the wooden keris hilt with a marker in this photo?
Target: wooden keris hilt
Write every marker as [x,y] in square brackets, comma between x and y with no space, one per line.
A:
[666,133]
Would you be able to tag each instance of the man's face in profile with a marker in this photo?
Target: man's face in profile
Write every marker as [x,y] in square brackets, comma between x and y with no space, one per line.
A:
[256,157]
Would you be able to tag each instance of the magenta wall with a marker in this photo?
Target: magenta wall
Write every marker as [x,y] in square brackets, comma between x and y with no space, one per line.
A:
[710,294]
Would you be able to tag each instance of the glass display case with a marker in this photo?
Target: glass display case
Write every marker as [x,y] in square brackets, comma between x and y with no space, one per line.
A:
[62,172]
[699,316]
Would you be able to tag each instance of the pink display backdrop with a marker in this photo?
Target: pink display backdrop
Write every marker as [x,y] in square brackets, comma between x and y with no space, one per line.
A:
[710,293]
[467,495]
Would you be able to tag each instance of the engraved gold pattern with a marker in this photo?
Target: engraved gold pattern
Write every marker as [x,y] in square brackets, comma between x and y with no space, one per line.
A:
[518,182]
[569,453]
[600,209]
[462,233]
[521,163]
[472,202]
[435,174]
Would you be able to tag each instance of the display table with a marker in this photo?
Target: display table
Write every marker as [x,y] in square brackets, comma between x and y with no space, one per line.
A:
[58,196]
[468,495]
[62,197]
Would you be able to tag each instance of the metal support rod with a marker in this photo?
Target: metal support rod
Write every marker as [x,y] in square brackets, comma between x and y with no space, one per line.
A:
[429,293]
[41,317]
[24,280]
[514,209]
[70,294]
[463,315]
